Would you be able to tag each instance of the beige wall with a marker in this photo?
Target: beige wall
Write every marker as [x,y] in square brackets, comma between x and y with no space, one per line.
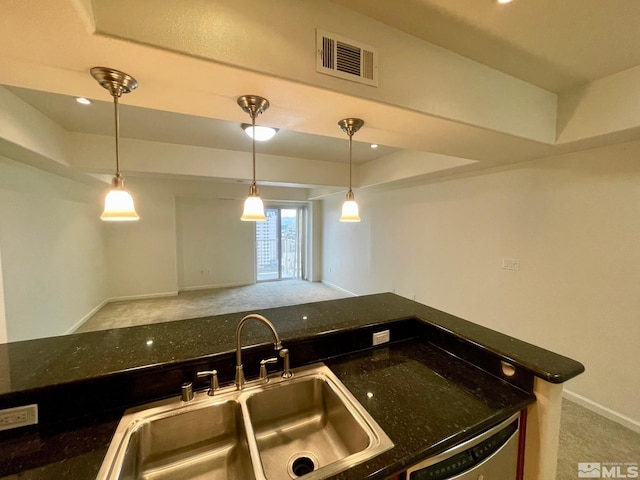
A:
[52,245]
[572,221]
[215,248]
[3,318]
[142,255]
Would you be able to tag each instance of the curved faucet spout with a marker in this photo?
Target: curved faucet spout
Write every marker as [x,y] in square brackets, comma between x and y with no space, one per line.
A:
[277,345]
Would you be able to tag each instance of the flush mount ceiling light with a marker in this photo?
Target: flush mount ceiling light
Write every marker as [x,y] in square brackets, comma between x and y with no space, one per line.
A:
[262,133]
[253,207]
[350,207]
[118,204]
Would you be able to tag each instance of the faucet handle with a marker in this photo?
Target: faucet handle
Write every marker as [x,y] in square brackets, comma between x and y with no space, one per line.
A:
[263,368]
[286,373]
[187,392]
[214,380]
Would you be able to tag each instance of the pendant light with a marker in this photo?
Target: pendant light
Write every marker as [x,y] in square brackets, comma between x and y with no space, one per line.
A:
[118,204]
[350,207]
[253,207]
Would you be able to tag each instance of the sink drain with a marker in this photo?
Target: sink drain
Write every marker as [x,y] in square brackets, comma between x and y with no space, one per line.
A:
[302,463]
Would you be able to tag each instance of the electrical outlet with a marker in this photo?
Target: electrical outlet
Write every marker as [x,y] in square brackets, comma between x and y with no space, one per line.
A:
[381,337]
[18,417]
[511,263]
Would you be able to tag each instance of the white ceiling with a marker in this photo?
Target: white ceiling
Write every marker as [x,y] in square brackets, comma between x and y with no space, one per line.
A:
[161,126]
[572,79]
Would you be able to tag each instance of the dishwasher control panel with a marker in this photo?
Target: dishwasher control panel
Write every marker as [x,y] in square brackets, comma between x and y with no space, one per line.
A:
[492,455]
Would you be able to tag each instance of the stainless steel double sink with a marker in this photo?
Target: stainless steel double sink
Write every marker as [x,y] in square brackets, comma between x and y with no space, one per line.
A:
[309,425]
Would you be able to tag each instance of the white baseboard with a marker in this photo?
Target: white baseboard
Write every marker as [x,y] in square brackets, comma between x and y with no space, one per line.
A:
[92,312]
[329,284]
[623,420]
[142,297]
[218,285]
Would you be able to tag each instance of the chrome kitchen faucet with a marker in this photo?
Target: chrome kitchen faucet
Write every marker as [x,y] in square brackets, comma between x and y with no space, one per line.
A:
[277,345]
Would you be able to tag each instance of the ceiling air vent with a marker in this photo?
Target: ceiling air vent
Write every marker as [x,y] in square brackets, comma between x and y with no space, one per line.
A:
[344,58]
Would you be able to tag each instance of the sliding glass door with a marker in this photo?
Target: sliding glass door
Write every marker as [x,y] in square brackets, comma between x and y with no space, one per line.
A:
[279,244]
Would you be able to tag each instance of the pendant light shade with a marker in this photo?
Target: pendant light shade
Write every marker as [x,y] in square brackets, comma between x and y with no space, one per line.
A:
[118,204]
[118,207]
[253,207]
[350,207]
[350,210]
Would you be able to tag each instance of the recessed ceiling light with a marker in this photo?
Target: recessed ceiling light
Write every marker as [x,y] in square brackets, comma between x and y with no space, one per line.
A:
[374,145]
[83,101]
[504,2]
[262,133]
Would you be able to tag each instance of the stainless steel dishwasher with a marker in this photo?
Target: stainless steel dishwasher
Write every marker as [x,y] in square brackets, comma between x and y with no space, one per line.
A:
[492,455]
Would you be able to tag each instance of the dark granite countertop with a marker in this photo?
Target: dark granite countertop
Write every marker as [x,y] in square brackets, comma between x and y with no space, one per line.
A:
[43,362]
[424,398]
[435,363]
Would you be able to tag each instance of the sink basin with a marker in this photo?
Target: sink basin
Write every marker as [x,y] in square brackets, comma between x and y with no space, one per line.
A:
[203,440]
[306,425]
[309,425]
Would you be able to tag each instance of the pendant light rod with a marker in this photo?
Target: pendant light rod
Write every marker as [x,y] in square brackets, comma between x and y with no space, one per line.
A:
[254,106]
[253,146]
[350,150]
[117,124]
[117,83]
[350,126]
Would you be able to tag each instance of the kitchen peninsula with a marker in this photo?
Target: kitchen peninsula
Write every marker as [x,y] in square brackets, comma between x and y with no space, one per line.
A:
[439,381]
